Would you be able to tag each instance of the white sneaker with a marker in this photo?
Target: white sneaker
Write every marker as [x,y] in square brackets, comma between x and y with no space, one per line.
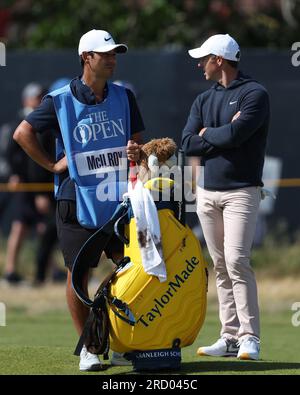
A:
[221,348]
[249,348]
[119,360]
[89,362]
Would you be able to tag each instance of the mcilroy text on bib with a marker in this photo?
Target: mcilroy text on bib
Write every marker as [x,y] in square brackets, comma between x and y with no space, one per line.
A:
[100,161]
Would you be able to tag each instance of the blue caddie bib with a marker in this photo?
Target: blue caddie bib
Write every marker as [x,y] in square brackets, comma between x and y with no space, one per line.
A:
[94,139]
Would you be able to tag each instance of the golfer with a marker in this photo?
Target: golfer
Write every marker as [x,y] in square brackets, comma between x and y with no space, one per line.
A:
[227,127]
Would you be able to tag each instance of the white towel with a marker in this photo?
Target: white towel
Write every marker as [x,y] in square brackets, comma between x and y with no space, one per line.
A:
[148,230]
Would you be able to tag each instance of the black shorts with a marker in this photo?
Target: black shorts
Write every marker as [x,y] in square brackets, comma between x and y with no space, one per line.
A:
[72,235]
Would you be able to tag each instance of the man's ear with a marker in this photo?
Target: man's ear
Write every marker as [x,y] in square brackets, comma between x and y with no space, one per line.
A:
[85,56]
[219,60]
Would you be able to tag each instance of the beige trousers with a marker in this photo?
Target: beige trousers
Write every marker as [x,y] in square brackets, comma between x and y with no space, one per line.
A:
[228,220]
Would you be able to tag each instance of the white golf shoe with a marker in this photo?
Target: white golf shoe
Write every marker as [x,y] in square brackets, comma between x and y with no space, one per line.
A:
[221,348]
[89,362]
[249,348]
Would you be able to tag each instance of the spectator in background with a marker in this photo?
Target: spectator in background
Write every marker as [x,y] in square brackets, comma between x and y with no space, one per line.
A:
[59,83]
[127,85]
[31,210]
[5,167]
[25,214]
[45,204]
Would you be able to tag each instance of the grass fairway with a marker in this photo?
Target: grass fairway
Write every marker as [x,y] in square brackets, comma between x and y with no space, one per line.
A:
[43,343]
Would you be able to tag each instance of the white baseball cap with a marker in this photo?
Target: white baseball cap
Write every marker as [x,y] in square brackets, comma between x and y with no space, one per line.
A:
[219,44]
[99,41]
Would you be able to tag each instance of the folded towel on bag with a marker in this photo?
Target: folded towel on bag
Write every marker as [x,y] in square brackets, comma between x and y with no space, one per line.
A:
[148,230]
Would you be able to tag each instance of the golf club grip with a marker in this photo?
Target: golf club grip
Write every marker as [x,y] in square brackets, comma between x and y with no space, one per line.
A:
[132,171]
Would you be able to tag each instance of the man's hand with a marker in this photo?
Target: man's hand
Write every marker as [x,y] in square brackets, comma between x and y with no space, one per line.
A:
[202,131]
[235,117]
[60,166]
[133,151]
[26,137]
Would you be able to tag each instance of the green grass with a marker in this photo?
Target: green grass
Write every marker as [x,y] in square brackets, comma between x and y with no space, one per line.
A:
[44,344]
[277,259]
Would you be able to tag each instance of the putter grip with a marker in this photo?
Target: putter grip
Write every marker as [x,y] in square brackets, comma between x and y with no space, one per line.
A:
[181,159]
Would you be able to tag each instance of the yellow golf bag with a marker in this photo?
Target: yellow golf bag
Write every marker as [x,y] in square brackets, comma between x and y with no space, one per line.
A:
[149,320]
[163,311]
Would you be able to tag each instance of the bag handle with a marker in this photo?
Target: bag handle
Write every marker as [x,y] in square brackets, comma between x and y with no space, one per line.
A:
[123,307]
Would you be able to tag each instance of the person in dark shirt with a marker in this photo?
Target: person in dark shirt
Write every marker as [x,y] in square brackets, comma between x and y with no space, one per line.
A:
[89,92]
[45,203]
[227,127]
[25,214]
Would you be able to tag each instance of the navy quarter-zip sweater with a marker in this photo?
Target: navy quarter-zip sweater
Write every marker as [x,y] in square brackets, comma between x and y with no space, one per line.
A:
[232,153]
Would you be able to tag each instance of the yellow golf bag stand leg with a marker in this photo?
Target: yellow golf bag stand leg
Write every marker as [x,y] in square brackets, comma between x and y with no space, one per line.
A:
[168,315]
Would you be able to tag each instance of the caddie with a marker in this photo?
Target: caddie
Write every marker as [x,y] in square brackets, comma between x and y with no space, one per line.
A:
[98,127]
